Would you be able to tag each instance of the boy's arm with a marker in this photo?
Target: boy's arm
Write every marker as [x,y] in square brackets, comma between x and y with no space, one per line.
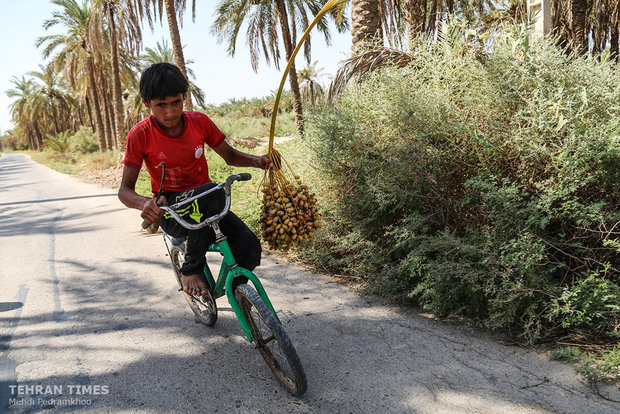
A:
[151,213]
[241,159]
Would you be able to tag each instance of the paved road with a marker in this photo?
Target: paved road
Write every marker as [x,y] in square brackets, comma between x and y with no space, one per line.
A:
[88,304]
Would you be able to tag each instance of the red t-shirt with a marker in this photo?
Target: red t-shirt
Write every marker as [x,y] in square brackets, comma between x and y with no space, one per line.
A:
[186,166]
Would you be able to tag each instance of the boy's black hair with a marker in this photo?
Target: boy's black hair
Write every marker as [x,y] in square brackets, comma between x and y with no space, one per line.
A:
[162,80]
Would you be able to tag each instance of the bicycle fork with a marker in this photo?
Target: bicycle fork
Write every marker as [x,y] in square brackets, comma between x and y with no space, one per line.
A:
[228,272]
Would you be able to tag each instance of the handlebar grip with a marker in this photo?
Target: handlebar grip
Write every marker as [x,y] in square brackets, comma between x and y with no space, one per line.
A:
[245,176]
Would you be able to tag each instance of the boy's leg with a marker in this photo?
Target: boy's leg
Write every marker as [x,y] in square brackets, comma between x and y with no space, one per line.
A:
[197,240]
[244,244]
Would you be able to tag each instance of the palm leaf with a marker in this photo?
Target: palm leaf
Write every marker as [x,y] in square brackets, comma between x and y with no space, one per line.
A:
[358,66]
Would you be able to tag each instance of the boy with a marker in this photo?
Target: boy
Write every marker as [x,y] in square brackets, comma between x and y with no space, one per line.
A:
[178,137]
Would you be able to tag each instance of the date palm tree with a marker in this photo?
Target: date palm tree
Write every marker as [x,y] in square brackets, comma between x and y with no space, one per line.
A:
[268,22]
[160,53]
[163,53]
[56,107]
[173,9]
[311,88]
[117,26]
[23,110]
[72,55]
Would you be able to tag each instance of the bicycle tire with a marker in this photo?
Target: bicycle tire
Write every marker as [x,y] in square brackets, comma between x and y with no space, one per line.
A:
[204,307]
[272,341]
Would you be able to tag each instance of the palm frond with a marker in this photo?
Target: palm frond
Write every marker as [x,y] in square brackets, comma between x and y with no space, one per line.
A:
[356,67]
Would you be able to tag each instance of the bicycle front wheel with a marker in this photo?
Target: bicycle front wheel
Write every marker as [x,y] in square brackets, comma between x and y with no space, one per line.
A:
[272,341]
[204,307]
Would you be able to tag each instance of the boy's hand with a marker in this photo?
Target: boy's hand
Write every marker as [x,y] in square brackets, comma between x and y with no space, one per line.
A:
[269,161]
[264,162]
[151,213]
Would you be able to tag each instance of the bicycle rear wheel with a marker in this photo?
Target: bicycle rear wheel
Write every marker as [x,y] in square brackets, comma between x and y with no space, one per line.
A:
[204,307]
[272,341]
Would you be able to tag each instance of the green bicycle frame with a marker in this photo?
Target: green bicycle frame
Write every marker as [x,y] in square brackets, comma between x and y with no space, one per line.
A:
[229,270]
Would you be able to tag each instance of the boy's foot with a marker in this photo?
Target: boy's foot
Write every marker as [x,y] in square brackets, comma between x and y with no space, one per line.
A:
[194,285]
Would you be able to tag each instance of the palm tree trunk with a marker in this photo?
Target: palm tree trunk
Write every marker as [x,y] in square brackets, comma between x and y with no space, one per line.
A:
[434,17]
[415,17]
[99,127]
[56,117]
[579,11]
[38,138]
[117,100]
[31,142]
[177,48]
[292,75]
[30,137]
[108,98]
[108,113]
[614,26]
[365,23]
[90,113]
[117,103]
[108,127]
[102,128]
[80,115]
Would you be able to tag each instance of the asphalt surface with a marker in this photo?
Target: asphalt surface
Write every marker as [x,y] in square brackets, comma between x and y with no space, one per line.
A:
[91,321]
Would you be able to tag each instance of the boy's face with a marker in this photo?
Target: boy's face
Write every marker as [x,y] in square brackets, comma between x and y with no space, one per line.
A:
[167,111]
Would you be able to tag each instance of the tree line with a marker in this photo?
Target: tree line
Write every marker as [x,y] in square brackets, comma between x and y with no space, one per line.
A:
[92,73]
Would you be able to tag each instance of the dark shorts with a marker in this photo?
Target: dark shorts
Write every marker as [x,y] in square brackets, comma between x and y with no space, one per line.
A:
[244,244]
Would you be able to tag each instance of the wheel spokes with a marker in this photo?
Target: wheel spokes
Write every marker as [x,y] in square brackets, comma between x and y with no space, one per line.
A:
[275,357]
[204,305]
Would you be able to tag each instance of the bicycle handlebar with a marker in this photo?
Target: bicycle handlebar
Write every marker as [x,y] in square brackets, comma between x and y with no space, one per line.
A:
[215,218]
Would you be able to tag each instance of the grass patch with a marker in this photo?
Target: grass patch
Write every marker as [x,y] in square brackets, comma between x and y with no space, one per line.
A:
[600,366]
[247,126]
[98,161]
[74,162]
[143,184]
[64,163]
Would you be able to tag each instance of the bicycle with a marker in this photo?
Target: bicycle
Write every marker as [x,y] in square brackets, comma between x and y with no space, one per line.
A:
[251,306]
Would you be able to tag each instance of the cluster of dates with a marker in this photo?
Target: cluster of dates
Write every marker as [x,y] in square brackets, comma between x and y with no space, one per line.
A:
[289,215]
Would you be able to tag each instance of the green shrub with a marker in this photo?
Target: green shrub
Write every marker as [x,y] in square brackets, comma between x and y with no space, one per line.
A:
[604,369]
[84,141]
[57,143]
[590,305]
[479,185]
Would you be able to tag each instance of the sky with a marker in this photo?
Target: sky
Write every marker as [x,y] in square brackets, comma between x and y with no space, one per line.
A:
[220,76]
